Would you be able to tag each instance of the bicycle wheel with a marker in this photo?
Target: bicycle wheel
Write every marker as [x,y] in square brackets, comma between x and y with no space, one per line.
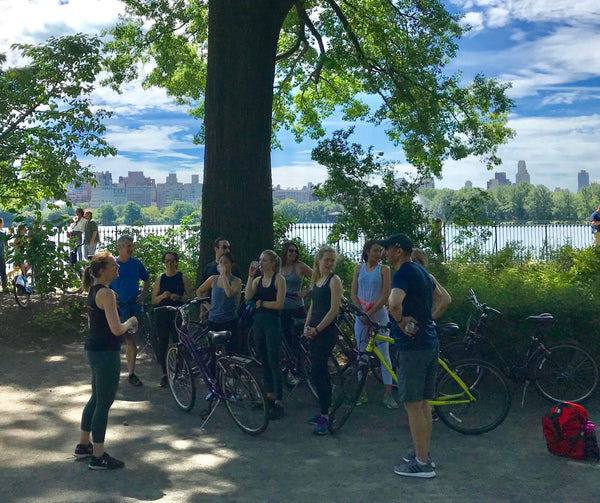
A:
[243,397]
[181,378]
[147,336]
[22,296]
[488,387]
[566,373]
[459,350]
[347,387]
[73,280]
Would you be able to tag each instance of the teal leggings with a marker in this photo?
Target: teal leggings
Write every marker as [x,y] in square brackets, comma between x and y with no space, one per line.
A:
[106,368]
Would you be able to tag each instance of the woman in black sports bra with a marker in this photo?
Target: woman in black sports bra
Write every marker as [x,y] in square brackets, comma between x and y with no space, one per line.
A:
[320,330]
[268,291]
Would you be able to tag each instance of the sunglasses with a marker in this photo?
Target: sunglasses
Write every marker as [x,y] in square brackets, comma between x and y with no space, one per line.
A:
[291,250]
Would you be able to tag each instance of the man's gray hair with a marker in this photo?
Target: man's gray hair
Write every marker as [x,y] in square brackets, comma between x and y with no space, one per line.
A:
[125,238]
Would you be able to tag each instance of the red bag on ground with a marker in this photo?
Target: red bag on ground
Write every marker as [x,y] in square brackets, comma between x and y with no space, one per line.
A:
[569,433]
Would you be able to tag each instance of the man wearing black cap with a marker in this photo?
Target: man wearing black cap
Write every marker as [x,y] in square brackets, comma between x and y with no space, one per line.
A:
[411,300]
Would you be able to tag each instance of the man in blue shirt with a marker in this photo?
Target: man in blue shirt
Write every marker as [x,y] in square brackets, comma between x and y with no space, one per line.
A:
[412,297]
[126,286]
[595,221]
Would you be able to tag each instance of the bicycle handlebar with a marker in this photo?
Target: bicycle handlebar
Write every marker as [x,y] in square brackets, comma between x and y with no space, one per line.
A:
[197,300]
[359,312]
[484,308]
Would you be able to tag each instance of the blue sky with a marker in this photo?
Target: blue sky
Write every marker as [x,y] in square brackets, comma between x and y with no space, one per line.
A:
[548,49]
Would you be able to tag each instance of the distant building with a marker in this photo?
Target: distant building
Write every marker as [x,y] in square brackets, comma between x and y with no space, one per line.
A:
[583,179]
[498,180]
[469,184]
[427,183]
[522,174]
[172,190]
[81,195]
[303,195]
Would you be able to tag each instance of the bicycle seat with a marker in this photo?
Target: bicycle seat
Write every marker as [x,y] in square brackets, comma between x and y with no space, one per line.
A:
[447,329]
[541,318]
[218,338]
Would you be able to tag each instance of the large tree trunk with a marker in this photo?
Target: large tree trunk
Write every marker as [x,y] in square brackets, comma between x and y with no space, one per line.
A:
[237,193]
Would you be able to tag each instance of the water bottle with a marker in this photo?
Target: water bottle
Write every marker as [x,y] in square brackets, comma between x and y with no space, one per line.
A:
[410,328]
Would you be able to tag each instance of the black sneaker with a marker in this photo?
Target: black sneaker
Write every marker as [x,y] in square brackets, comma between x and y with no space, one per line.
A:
[277,411]
[164,382]
[105,462]
[134,380]
[84,451]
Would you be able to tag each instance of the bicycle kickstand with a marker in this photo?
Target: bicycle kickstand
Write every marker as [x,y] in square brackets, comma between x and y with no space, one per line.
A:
[211,411]
[524,392]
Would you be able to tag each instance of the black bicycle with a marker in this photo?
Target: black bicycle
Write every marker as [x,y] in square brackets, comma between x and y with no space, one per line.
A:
[562,372]
[201,352]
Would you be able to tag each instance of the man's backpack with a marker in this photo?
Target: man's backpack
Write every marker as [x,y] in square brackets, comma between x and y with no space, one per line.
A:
[569,433]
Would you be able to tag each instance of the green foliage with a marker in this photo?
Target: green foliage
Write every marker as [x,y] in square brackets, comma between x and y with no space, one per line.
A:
[47,120]
[367,209]
[71,315]
[511,203]
[566,286]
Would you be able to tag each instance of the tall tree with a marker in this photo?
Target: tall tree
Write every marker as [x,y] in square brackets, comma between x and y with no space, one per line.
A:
[252,67]
[47,122]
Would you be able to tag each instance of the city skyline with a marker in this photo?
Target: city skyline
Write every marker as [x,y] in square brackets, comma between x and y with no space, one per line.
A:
[547,53]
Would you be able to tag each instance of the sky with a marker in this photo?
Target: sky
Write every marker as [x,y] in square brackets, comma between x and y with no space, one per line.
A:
[548,49]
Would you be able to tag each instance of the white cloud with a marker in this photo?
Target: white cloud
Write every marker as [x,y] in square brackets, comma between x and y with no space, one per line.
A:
[474,20]
[147,139]
[554,148]
[498,17]
[563,11]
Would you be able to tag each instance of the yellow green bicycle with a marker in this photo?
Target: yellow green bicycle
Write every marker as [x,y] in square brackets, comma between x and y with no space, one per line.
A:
[472,396]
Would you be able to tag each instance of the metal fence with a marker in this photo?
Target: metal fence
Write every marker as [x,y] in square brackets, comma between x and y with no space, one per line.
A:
[535,240]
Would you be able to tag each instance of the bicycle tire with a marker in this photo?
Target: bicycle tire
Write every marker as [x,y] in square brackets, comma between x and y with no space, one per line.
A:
[74,283]
[22,297]
[492,398]
[181,378]
[566,373]
[460,350]
[243,397]
[147,336]
[347,388]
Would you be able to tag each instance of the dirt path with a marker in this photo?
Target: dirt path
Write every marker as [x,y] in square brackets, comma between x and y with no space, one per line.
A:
[44,385]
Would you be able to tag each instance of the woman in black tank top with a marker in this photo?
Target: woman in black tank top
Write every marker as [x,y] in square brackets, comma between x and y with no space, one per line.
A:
[321,331]
[268,291]
[102,347]
[170,289]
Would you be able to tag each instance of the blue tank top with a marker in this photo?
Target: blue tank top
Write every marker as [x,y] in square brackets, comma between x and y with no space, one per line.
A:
[293,286]
[222,308]
[369,290]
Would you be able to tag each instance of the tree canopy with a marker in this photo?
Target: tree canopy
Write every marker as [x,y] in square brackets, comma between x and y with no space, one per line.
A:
[251,68]
[47,121]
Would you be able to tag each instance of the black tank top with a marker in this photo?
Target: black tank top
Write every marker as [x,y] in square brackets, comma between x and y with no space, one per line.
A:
[268,294]
[321,302]
[173,284]
[100,337]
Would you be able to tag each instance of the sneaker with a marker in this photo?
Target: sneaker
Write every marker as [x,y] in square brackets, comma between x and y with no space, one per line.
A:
[410,456]
[314,420]
[134,380]
[415,469]
[292,380]
[84,451]
[164,382]
[389,402]
[322,426]
[362,399]
[276,412]
[105,462]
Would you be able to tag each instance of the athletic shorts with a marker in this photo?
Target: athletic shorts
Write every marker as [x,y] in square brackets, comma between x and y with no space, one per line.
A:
[417,374]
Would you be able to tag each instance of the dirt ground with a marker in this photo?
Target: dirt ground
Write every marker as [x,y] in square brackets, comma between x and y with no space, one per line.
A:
[44,384]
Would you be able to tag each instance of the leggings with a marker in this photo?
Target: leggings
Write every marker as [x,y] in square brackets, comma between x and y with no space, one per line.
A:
[361,333]
[267,337]
[320,351]
[165,333]
[106,367]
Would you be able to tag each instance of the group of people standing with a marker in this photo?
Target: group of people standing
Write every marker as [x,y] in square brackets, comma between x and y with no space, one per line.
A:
[85,230]
[275,286]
